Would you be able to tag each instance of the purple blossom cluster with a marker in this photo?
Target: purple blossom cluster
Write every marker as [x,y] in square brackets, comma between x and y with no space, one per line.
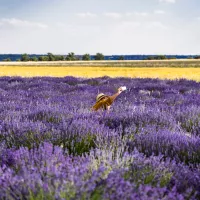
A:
[52,146]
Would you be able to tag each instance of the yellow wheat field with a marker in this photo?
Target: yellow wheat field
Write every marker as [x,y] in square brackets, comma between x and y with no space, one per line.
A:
[162,73]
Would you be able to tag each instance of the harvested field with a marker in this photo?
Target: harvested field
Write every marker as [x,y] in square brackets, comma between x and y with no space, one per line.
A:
[55,71]
[180,63]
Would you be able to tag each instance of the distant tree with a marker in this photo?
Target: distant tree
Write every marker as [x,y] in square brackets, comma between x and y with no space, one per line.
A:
[86,57]
[150,58]
[160,57]
[121,58]
[163,57]
[197,57]
[25,57]
[43,58]
[51,57]
[58,57]
[62,58]
[7,60]
[71,57]
[34,59]
[172,58]
[18,60]
[99,56]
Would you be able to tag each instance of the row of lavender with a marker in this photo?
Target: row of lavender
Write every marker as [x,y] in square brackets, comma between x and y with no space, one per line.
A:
[53,147]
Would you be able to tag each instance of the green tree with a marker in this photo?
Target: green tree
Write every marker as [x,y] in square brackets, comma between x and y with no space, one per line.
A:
[99,56]
[86,57]
[150,58]
[62,58]
[7,60]
[51,57]
[172,58]
[71,57]
[34,59]
[43,58]
[121,58]
[58,57]
[161,57]
[25,57]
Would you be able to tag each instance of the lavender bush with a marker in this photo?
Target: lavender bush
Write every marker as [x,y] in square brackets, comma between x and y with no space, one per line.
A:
[53,147]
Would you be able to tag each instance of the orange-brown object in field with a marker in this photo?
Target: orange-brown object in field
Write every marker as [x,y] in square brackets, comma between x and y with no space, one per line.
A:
[104,102]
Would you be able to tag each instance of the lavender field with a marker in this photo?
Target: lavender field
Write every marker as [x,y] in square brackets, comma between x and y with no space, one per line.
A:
[53,147]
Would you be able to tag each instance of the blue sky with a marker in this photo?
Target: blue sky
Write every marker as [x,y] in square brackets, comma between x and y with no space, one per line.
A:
[106,26]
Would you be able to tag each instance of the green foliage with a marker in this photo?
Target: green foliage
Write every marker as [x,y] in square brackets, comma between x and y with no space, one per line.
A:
[41,195]
[190,123]
[99,56]
[121,58]
[77,146]
[7,60]
[197,57]
[46,117]
[97,194]
[165,179]
[69,193]
[150,58]
[71,57]
[57,58]
[43,58]
[172,58]
[86,57]
[25,57]
[159,57]
[148,175]
[34,59]
[51,57]
[93,82]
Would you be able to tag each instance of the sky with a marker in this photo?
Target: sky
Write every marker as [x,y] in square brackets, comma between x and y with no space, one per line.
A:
[111,27]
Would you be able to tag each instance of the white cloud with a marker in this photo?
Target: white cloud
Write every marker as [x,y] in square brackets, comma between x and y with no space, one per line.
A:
[168,1]
[113,15]
[156,24]
[87,14]
[160,12]
[143,14]
[131,24]
[13,22]
[60,24]
[128,14]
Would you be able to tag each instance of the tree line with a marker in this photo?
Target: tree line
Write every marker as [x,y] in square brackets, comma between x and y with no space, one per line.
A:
[72,57]
[51,57]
